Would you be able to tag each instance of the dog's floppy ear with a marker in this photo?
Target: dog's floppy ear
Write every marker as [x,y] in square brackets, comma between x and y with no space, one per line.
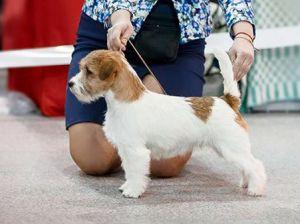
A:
[108,67]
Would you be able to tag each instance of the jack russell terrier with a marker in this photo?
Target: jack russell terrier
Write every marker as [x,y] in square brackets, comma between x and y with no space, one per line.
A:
[141,123]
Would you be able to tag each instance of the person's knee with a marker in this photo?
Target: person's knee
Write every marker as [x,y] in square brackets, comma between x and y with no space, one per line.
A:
[169,171]
[169,167]
[90,150]
[87,165]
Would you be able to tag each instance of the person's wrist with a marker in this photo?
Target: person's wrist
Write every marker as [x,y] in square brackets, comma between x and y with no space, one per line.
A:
[247,39]
[120,15]
[243,27]
[245,36]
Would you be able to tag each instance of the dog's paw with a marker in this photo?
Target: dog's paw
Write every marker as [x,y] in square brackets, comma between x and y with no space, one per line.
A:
[257,182]
[132,193]
[243,183]
[256,191]
[123,186]
[132,190]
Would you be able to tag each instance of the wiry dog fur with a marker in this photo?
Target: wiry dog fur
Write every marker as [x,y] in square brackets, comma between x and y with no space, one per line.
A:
[140,123]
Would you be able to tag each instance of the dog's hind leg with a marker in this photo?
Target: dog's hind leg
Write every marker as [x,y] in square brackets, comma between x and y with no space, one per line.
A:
[136,165]
[253,171]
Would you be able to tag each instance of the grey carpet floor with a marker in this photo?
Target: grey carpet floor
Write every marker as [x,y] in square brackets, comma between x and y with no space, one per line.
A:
[39,183]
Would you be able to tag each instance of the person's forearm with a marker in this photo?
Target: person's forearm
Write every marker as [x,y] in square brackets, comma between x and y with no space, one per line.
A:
[244,27]
[120,15]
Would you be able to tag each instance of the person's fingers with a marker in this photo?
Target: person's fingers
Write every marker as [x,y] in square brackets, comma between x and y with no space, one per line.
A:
[247,64]
[245,67]
[109,34]
[242,71]
[116,44]
[111,43]
[232,55]
[238,65]
[114,38]
[123,47]
[126,34]
[108,44]
[124,42]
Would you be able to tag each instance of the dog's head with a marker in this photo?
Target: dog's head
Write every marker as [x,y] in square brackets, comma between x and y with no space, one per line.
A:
[98,71]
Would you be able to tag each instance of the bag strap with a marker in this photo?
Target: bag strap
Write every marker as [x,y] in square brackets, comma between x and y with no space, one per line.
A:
[148,68]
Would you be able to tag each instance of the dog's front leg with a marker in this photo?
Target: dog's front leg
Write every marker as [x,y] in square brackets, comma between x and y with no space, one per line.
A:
[136,164]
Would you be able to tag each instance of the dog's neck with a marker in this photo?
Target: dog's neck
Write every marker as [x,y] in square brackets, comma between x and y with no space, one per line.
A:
[127,86]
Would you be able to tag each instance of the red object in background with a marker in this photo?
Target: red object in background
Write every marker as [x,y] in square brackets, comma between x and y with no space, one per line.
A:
[36,23]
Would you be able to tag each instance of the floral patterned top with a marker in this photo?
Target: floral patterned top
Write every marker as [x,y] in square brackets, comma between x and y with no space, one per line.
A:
[193,15]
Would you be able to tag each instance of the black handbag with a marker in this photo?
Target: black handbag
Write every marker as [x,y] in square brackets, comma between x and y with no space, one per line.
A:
[158,39]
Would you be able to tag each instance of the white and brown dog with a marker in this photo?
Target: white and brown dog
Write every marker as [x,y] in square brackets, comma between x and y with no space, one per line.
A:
[141,123]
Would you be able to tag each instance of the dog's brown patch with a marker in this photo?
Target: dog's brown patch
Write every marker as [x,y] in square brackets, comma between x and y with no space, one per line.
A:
[233,101]
[241,121]
[202,106]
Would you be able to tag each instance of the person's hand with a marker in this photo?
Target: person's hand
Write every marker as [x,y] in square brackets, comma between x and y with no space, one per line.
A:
[242,56]
[120,31]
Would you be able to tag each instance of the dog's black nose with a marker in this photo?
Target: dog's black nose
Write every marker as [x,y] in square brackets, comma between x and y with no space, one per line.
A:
[70,84]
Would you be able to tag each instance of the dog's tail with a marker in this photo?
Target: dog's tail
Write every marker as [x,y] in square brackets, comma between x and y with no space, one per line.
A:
[231,90]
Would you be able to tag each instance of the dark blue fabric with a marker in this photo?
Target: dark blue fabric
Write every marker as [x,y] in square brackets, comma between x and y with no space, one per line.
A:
[183,77]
